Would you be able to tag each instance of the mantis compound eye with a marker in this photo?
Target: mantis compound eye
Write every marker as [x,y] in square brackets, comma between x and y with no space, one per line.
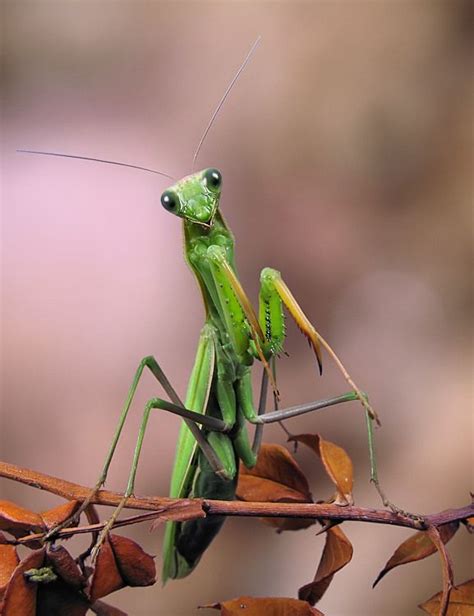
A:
[169,201]
[213,179]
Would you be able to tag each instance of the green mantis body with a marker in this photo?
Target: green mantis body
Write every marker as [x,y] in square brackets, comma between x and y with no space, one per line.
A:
[220,385]
[219,395]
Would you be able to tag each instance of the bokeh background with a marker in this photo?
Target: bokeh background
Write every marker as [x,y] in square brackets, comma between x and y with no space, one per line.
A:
[346,150]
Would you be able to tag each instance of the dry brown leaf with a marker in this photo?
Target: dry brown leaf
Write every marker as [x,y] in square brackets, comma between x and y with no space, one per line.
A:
[19,521]
[8,562]
[417,547]
[20,595]
[461,602]
[106,577]
[260,490]
[336,462]
[59,514]
[276,464]
[268,606]
[276,478]
[136,566]
[336,554]
[121,562]
[65,567]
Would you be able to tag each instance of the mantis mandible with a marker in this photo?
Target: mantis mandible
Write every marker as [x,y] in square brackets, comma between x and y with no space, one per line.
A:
[219,400]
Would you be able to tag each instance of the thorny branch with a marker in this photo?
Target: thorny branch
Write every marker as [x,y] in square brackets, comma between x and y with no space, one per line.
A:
[185,509]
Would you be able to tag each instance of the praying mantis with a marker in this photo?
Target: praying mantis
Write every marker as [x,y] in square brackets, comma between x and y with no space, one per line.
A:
[219,401]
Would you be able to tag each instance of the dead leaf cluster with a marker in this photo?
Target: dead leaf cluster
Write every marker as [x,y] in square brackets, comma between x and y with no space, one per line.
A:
[50,581]
[278,478]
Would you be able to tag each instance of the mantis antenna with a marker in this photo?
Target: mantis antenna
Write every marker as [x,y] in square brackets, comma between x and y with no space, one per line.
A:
[222,101]
[201,141]
[98,160]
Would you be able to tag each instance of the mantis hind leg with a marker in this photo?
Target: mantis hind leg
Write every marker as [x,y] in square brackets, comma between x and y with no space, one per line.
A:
[151,364]
[215,451]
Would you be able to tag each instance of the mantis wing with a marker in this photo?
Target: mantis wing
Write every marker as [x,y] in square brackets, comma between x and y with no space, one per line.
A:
[185,463]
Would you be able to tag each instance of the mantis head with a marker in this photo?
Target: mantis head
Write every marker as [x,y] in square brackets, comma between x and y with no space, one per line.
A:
[196,197]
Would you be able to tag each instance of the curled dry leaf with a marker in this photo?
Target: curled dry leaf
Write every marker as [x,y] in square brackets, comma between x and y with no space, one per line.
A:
[417,547]
[336,554]
[136,566]
[106,577]
[59,514]
[275,464]
[65,567]
[19,521]
[276,478]
[461,602]
[268,606]
[336,462]
[24,596]
[20,595]
[121,562]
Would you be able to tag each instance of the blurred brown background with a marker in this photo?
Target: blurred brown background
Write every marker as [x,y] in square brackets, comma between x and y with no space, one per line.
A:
[345,150]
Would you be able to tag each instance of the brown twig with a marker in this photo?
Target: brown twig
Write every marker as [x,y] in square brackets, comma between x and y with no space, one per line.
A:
[66,533]
[182,509]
